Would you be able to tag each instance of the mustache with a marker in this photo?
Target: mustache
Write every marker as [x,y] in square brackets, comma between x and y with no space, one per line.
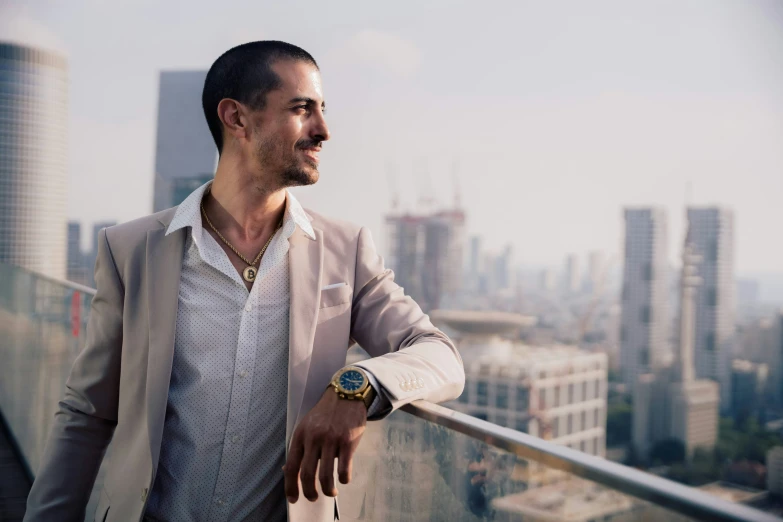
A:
[308,144]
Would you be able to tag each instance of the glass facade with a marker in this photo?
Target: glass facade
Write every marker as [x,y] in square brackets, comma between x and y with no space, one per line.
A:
[33,159]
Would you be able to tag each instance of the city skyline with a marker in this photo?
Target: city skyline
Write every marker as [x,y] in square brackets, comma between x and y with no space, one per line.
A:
[539,146]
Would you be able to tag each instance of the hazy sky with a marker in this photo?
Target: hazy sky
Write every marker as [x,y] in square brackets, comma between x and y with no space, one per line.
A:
[556,114]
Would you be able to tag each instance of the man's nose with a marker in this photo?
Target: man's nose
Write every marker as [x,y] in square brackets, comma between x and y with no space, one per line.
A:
[321,129]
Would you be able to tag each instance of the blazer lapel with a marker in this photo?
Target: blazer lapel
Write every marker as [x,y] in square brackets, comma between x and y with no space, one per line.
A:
[304,262]
[164,265]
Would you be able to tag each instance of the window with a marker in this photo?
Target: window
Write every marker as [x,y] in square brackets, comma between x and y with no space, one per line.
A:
[570,424]
[596,423]
[464,398]
[482,392]
[571,393]
[647,272]
[711,297]
[644,314]
[542,398]
[709,342]
[585,392]
[501,396]
[501,420]
[523,398]
[522,425]
[583,446]
[644,356]
[597,389]
[480,415]
[712,251]
[584,420]
[556,427]
[557,396]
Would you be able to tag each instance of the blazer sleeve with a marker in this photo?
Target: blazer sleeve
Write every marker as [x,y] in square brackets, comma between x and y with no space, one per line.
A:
[87,415]
[411,358]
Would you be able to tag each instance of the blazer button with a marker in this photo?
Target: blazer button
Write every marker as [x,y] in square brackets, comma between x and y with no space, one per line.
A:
[144,494]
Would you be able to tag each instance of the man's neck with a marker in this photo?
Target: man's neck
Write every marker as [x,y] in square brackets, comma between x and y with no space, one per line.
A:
[237,205]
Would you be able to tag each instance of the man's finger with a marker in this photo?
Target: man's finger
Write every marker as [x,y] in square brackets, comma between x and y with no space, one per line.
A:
[307,473]
[326,470]
[291,469]
[345,462]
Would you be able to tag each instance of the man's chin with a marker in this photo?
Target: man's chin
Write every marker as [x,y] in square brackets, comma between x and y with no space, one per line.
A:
[301,177]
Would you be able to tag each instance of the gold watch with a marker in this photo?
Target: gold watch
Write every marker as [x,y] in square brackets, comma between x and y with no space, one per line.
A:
[351,383]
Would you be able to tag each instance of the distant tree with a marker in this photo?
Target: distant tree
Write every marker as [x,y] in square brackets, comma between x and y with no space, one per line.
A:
[667,452]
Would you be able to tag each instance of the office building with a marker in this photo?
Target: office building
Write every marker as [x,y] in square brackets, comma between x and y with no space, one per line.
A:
[571,500]
[426,253]
[775,471]
[761,342]
[557,393]
[33,159]
[749,386]
[78,270]
[712,230]
[644,314]
[595,281]
[571,275]
[185,153]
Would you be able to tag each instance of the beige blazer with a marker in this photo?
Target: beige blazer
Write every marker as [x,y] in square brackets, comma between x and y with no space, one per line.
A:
[118,387]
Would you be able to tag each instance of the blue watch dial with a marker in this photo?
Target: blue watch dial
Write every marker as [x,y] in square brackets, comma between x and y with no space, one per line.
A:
[351,380]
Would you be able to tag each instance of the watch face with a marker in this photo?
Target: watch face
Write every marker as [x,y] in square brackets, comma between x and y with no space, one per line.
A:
[351,381]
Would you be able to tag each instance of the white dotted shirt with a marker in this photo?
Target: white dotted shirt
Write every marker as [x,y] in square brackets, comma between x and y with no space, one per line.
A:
[224,435]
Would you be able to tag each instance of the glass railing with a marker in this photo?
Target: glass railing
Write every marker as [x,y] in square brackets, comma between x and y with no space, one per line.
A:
[42,328]
[423,463]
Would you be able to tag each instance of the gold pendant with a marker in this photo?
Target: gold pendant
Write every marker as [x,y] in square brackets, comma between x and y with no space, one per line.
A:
[250,274]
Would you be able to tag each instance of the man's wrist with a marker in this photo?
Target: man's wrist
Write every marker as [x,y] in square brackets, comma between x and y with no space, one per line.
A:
[354,384]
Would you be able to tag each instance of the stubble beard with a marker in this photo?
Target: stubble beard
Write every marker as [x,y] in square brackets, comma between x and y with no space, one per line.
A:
[292,174]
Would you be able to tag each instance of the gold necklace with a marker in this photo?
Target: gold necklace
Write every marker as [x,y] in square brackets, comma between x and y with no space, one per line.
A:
[250,272]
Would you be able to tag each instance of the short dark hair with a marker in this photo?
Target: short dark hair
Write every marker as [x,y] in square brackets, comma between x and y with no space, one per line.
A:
[244,73]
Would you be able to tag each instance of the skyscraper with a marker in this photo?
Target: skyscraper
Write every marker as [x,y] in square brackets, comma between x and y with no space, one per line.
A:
[572,274]
[712,230]
[185,154]
[644,320]
[33,159]
[595,278]
[426,253]
[671,402]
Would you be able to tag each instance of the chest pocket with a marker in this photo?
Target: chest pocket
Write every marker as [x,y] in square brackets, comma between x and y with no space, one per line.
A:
[334,302]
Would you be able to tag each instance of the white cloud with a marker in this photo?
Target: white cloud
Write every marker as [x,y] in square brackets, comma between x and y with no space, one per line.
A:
[383,51]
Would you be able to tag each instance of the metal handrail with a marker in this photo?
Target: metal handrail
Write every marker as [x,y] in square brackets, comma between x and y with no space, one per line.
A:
[670,495]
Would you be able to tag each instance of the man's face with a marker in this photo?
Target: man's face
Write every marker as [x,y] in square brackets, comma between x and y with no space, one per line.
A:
[287,134]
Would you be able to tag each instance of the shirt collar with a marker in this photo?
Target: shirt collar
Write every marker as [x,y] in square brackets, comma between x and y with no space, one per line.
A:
[188,214]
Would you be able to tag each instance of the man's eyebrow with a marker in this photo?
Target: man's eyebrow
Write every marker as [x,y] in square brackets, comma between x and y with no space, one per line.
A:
[308,101]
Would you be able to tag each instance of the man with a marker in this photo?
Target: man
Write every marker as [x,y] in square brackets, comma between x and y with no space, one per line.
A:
[219,325]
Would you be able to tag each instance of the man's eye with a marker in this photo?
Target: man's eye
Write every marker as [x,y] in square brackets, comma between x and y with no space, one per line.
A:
[301,107]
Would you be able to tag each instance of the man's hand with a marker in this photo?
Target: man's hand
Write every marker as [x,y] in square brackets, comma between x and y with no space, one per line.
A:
[332,429]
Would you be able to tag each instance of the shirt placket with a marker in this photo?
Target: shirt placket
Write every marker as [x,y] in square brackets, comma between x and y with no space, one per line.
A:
[234,438]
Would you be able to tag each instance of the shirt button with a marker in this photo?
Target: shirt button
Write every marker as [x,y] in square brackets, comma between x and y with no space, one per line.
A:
[235,438]
[243,373]
[219,501]
[248,307]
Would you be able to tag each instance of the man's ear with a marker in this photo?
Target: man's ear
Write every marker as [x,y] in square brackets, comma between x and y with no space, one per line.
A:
[234,119]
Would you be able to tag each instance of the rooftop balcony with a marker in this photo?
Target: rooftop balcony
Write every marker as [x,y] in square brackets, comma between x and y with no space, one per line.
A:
[423,463]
